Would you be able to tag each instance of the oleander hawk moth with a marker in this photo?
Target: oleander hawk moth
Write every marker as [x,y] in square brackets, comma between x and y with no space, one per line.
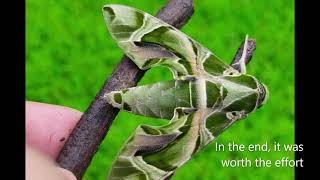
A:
[205,97]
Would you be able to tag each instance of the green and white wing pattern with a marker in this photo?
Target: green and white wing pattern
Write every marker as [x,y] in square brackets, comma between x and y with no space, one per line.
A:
[150,42]
[204,98]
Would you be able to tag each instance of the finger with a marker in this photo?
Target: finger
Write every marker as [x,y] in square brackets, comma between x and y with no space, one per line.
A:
[39,167]
[49,126]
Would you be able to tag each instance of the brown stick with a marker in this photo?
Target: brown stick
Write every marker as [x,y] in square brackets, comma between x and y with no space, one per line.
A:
[94,124]
[250,50]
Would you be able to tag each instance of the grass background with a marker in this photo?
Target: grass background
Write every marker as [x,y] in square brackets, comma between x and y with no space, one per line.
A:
[69,54]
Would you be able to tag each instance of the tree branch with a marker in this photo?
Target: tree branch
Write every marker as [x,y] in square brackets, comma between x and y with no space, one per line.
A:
[94,124]
[250,50]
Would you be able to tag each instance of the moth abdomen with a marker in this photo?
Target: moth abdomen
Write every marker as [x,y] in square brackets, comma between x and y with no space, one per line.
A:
[155,100]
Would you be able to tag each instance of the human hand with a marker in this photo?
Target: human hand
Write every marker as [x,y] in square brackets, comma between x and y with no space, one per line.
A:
[47,129]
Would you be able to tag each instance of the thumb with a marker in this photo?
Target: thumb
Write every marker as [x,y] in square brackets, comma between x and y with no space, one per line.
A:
[40,166]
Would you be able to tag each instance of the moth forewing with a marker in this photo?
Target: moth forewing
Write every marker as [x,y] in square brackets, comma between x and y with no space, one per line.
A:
[132,29]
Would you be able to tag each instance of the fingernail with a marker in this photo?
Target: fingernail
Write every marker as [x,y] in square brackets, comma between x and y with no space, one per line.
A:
[68,174]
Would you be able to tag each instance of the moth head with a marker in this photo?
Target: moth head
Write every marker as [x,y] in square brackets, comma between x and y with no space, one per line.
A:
[245,94]
[263,95]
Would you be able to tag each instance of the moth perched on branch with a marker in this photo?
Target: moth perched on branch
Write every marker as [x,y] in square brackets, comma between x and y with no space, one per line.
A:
[205,97]
[95,122]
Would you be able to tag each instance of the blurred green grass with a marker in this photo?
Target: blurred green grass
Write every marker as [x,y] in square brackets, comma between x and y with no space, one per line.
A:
[69,54]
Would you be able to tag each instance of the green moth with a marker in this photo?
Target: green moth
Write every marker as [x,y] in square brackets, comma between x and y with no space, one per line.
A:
[205,97]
